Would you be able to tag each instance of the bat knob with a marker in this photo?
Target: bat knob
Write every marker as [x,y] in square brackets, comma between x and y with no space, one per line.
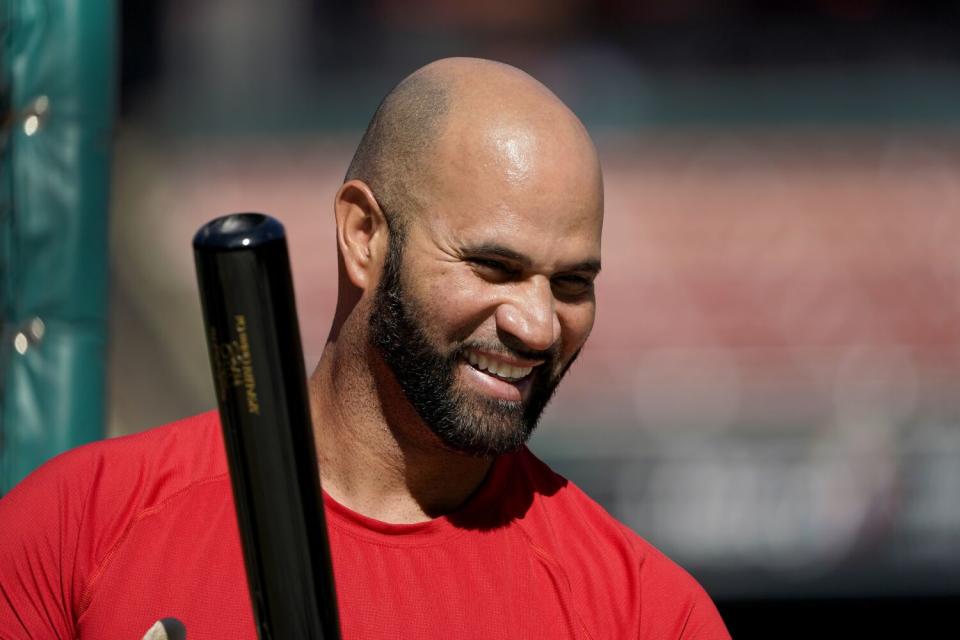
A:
[238,231]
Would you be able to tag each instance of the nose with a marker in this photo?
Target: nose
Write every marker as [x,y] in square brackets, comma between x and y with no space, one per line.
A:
[530,316]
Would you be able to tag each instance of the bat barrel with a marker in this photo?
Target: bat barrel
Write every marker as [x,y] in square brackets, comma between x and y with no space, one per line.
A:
[250,317]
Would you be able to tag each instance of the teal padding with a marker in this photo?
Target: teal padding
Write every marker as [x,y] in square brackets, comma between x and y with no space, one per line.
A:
[59,59]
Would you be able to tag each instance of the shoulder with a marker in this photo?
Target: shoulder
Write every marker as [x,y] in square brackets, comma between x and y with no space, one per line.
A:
[165,458]
[177,453]
[609,562]
[562,512]
[63,521]
[115,482]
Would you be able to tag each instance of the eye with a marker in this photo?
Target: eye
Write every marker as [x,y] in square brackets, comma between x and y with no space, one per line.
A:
[493,269]
[572,285]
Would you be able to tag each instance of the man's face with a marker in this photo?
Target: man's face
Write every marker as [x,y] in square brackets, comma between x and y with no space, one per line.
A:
[464,421]
[486,300]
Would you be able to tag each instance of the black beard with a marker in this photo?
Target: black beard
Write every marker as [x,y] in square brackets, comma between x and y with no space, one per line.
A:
[464,422]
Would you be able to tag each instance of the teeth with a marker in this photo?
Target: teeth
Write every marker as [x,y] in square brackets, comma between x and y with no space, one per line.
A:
[499,369]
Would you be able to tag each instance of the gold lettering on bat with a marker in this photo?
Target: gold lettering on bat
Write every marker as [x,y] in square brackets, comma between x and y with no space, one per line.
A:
[233,365]
[243,362]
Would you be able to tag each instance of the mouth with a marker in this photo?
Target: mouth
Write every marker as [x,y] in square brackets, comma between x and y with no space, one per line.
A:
[498,369]
[495,377]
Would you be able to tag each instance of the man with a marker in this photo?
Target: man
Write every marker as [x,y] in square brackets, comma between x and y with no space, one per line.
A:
[468,235]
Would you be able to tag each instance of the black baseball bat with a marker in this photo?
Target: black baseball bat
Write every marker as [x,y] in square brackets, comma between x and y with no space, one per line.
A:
[246,292]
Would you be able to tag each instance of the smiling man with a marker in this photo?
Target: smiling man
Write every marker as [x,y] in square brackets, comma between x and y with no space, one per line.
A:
[468,235]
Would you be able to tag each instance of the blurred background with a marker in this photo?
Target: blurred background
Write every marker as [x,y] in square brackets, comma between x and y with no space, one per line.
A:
[770,394]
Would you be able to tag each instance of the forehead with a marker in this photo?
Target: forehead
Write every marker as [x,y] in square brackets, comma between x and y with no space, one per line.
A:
[518,186]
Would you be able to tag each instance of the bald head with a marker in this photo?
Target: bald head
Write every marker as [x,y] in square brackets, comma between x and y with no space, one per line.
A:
[398,139]
[467,110]
[469,227]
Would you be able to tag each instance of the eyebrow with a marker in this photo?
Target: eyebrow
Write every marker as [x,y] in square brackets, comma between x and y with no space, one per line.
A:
[493,249]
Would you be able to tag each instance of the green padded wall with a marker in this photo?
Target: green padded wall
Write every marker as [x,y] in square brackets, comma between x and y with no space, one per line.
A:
[58,89]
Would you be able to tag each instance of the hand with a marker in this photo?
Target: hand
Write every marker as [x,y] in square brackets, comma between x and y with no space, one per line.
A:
[167,629]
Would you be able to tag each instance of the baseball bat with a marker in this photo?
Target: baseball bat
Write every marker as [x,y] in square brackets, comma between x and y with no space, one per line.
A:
[249,312]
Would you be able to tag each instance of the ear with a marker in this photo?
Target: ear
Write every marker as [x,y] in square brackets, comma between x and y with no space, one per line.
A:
[361,233]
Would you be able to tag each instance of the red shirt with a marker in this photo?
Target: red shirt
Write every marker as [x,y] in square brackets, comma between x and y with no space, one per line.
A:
[107,539]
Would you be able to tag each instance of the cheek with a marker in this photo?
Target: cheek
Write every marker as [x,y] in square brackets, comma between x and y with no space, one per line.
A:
[576,323]
[455,306]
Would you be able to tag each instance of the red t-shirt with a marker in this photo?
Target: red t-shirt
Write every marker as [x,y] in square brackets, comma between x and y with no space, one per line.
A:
[107,539]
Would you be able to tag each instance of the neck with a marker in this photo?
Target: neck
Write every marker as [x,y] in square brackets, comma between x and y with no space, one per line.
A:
[376,455]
